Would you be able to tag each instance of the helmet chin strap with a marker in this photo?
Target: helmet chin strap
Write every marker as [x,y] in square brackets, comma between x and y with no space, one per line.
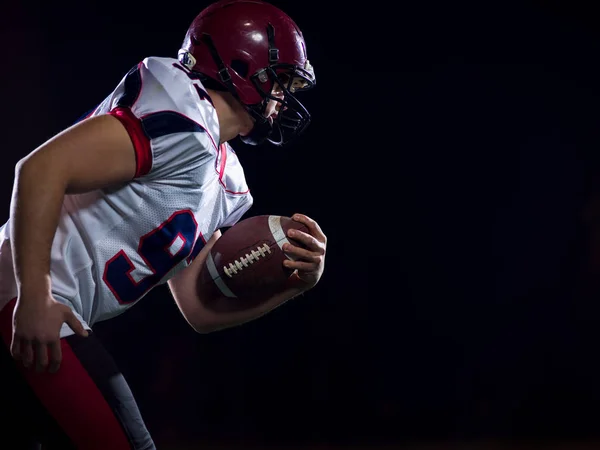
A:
[261,130]
[263,127]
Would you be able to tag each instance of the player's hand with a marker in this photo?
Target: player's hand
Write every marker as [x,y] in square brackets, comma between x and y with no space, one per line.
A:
[36,331]
[310,260]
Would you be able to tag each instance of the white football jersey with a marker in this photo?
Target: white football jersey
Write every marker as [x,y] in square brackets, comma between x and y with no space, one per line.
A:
[112,246]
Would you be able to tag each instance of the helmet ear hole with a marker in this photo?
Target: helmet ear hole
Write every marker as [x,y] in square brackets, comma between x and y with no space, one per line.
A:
[240,67]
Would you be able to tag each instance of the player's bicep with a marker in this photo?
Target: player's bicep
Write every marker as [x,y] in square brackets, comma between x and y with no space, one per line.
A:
[184,290]
[92,154]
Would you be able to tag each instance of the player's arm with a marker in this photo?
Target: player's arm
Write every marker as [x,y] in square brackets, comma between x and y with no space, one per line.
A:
[309,264]
[201,316]
[92,154]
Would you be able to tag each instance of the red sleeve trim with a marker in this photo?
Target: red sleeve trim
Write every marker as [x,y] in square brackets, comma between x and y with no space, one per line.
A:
[141,143]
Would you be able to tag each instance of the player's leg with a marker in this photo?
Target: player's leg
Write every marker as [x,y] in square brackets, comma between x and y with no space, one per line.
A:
[88,398]
[24,422]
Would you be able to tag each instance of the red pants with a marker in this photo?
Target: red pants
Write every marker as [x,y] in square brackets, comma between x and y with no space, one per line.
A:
[86,405]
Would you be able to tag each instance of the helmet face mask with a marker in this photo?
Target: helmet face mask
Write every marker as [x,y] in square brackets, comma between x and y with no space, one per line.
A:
[257,53]
[292,117]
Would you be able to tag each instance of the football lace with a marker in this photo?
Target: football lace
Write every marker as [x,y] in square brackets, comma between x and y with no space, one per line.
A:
[239,264]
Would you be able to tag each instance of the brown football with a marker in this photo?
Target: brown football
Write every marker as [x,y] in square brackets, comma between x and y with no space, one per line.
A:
[245,266]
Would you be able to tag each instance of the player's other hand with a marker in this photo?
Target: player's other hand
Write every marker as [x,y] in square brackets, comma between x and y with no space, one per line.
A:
[309,257]
[36,331]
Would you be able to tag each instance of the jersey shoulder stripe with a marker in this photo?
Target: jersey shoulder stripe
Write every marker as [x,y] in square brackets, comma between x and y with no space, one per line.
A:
[155,100]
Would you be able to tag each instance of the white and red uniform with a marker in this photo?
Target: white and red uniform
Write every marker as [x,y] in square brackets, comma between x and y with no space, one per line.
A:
[113,245]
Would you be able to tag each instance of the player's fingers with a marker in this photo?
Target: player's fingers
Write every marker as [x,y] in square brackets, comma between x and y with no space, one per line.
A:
[296,252]
[309,241]
[26,352]
[41,355]
[75,324]
[312,225]
[302,266]
[55,356]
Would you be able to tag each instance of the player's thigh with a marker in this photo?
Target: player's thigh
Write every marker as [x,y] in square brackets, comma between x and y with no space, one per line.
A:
[19,409]
[91,400]
[24,421]
[88,398]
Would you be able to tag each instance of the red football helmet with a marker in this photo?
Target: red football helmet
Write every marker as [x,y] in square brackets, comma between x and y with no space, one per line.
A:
[250,48]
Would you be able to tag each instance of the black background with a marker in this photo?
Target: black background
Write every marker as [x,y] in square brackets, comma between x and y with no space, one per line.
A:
[452,163]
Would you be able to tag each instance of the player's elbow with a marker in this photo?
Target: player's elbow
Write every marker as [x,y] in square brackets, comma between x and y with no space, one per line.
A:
[205,320]
[36,170]
[19,168]
[202,320]
[203,325]
[26,166]
[205,329]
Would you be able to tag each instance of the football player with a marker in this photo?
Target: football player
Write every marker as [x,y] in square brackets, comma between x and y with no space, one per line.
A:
[134,196]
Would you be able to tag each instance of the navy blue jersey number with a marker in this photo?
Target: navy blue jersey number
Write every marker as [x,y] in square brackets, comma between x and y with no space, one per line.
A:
[161,250]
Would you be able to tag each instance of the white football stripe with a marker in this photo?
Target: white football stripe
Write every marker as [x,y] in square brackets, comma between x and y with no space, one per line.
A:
[278,233]
[214,273]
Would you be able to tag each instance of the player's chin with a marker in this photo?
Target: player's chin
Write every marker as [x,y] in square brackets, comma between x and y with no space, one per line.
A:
[245,132]
[247,124]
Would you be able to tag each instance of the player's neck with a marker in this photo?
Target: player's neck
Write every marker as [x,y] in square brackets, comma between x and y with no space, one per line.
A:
[233,118]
